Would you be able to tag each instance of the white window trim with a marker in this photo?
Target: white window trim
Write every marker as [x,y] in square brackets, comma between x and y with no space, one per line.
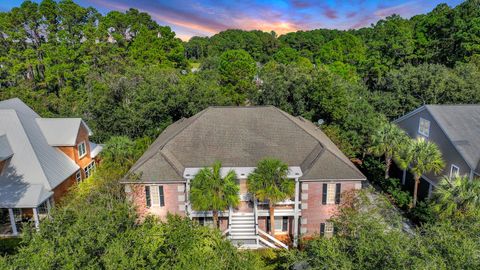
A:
[451,171]
[331,193]
[156,202]
[427,134]
[89,169]
[78,176]
[84,147]
[328,229]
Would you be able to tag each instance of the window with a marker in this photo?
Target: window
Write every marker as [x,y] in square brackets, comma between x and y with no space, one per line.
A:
[454,171]
[43,209]
[281,224]
[424,127]
[326,229]
[82,149]
[78,176]
[89,169]
[331,193]
[154,196]
[206,221]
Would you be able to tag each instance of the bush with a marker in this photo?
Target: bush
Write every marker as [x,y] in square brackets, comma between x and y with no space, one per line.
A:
[422,213]
[9,246]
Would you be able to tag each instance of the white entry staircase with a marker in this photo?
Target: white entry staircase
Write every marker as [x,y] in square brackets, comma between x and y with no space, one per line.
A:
[243,233]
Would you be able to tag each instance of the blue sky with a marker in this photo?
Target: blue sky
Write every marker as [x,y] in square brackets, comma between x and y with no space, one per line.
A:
[205,17]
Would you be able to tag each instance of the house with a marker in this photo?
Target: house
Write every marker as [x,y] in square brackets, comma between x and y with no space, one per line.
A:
[40,159]
[455,129]
[240,137]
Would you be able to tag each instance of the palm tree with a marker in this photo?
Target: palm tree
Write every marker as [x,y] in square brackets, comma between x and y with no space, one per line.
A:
[210,191]
[424,157]
[458,196]
[269,182]
[387,141]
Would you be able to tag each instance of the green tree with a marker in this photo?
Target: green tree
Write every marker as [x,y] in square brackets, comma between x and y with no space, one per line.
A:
[269,181]
[209,191]
[237,69]
[456,198]
[424,157]
[388,142]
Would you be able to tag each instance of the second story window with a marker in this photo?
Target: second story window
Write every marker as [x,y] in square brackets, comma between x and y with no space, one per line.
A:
[82,149]
[155,196]
[424,127]
[331,193]
[454,171]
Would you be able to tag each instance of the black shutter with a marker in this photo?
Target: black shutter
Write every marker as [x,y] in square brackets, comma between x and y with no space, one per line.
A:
[338,190]
[324,192]
[284,224]
[268,224]
[147,196]
[162,197]
[322,229]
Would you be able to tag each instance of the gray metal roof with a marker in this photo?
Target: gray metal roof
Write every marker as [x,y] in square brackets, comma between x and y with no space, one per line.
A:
[5,149]
[461,124]
[240,137]
[35,167]
[69,130]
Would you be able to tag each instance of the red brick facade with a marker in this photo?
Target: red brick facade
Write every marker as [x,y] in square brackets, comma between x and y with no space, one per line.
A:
[313,211]
[174,197]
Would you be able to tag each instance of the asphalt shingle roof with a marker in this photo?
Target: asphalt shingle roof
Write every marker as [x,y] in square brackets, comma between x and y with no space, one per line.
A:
[461,124]
[240,137]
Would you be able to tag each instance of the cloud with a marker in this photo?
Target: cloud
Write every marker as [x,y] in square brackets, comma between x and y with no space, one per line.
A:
[207,17]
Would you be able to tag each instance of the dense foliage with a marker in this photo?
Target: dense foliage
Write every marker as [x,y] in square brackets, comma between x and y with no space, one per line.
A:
[126,75]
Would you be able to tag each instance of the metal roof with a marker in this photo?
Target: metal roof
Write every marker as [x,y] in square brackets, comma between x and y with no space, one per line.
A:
[35,167]
[61,131]
[5,149]
[239,137]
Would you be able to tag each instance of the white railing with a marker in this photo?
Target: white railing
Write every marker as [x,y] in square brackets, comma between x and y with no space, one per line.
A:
[271,238]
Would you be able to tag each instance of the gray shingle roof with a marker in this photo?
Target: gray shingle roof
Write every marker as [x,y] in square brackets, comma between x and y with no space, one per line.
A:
[461,124]
[240,137]
[35,167]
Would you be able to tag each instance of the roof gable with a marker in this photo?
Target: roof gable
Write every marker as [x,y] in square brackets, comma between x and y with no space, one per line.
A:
[61,131]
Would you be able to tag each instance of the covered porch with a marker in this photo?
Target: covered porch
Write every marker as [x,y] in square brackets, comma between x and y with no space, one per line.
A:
[13,220]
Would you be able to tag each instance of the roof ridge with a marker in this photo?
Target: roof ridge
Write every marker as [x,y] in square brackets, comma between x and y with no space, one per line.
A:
[286,115]
[29,143]
[160,147]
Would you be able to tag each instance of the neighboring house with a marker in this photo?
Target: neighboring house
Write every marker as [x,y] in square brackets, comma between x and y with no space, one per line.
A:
[40,158]
[240,137]
[456,131]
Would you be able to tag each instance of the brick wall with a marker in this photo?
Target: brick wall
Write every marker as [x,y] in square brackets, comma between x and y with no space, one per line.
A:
[313,211]
[72,151]
[174,195]
[60,190]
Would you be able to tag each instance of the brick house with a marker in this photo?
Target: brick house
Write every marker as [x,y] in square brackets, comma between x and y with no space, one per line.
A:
[240,137]
[40,159]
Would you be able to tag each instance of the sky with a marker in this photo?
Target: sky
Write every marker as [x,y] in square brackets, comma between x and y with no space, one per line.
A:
[205,17]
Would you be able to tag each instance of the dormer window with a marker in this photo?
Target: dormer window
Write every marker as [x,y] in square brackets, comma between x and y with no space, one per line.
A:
[82,149]
[424,127]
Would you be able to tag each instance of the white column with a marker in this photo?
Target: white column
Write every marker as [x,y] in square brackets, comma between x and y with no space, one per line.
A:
[430,187]
[295,215]
[49,206]
[255,214]
[404,176]
[12,221]
[36,218]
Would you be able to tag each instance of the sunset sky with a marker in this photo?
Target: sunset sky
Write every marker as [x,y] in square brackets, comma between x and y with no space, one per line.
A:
[205,18]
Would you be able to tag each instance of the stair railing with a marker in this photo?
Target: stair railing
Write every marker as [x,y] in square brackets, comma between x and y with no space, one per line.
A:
[273,239]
